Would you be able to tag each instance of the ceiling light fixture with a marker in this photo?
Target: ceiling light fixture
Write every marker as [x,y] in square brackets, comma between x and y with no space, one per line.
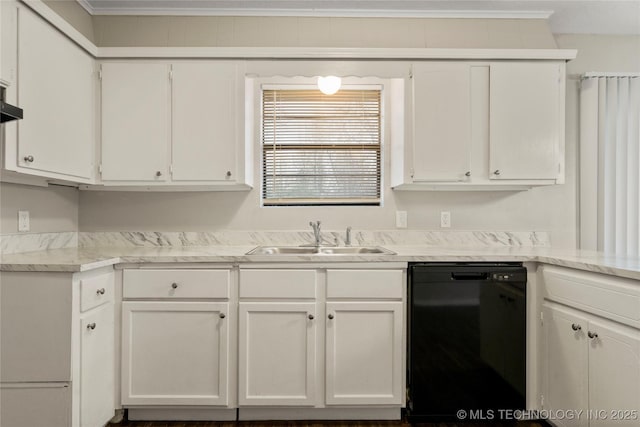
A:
[329,85]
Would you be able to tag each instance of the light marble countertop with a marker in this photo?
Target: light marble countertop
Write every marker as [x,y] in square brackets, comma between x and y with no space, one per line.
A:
[83,259]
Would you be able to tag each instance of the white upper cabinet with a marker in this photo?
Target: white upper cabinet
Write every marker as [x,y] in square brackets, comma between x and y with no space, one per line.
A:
[204,116]
[526,120]
[135,121]
[442,121]
[173,124]
[8,40]
[478,125]
[56,137]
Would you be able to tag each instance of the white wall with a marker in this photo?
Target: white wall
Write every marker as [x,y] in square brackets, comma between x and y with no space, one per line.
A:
[51,209]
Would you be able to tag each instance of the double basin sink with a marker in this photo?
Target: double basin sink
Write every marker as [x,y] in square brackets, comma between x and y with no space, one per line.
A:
[320,250]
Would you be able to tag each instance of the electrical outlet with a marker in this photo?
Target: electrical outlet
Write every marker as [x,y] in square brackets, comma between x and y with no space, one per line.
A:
[23,221]
[445,219]
[401,219]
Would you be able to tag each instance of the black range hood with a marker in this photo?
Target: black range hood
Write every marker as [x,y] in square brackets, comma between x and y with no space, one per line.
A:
[9,112]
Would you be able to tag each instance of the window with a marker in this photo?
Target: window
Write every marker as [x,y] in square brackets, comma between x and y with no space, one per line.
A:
[321,149]
[610,163]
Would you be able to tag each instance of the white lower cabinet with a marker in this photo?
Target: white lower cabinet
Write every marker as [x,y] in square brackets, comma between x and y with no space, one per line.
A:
[57,349]
[364,353]
[175,353]
[97,376]
[327,339]
[590,365]
[177,326]
[277,358]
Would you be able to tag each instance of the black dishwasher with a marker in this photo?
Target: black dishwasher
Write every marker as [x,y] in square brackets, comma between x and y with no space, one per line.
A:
[467,341]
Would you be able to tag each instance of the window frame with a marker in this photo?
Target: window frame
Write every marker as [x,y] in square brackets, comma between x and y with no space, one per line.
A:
[305,83]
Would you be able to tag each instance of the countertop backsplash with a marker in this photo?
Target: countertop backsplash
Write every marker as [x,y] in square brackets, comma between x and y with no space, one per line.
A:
[32,242]
[296,238]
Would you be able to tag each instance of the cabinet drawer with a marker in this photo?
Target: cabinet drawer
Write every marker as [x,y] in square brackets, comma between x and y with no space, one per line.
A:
[611,297]
[364,284]
[95,291]
[172,284]
[277,283]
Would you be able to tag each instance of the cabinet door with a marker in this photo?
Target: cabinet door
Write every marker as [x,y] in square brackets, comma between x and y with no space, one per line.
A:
[565,363]
[135,121]
[175,353]
[205,125]
[97,366]
[8,42]
[614,374]
[277,345]
[442,121]
[364,353]
[56,92]
[526,114]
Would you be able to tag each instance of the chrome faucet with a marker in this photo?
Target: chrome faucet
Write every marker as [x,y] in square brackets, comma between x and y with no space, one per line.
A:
[316,232]
[347,240]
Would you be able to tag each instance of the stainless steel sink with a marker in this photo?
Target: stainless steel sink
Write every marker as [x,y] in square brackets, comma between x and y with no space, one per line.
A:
[354,250]
[319,250]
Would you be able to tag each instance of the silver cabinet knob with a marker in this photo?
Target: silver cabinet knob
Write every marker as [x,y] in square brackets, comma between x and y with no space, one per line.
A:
[330,316]
[310,317]
[576,327]
[592,335]
[468,173]
[158,173]
[91,326]
[496,172]
[100,291]
[228,174]
[28,159]
[174,285]
[222,315]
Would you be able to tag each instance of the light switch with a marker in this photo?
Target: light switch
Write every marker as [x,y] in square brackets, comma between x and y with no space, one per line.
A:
[401,219]
[23,221]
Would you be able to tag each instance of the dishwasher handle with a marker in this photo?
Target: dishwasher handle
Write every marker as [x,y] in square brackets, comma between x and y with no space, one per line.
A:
[470,275]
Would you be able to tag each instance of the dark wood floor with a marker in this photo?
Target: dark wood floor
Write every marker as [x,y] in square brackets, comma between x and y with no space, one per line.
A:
[315,424]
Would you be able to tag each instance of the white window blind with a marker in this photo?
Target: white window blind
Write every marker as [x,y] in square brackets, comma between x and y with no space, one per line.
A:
[321,149]
[610,163]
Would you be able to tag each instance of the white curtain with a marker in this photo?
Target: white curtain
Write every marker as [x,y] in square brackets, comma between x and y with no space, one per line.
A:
[610,163]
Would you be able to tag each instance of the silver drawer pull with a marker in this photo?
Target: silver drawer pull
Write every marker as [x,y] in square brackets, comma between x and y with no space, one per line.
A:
[100,291]
[576,327]
[330,316]
[311,317]
[222,315]
[174,285]
[91,326]
[592,335]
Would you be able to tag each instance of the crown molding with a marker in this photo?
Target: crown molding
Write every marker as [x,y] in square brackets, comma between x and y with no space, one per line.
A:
[333,53]
[87,6]
[328,13]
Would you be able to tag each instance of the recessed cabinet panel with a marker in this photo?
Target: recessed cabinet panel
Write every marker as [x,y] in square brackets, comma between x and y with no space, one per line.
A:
[135,121]
[97,380]
[175,353]
[442,121]
[56,91]
[204,115]
[525,120]
[363,353]
[565,363]
[276,364]
[614,374]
